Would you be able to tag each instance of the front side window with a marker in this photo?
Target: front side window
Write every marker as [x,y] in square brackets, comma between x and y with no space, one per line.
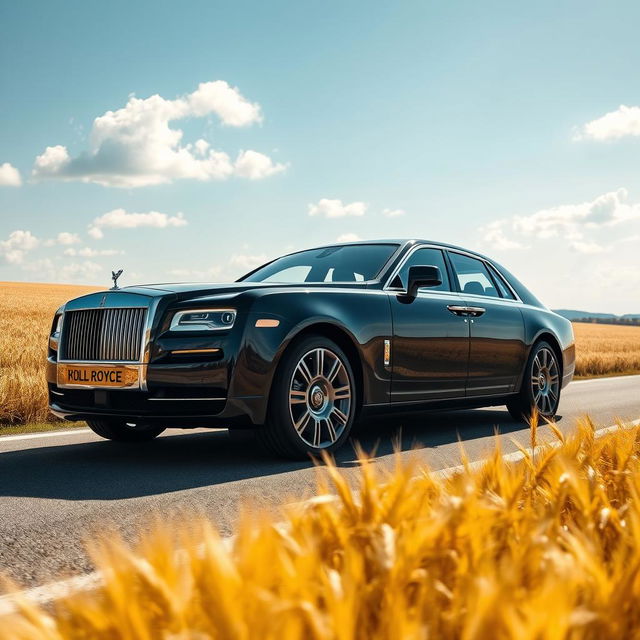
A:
[423,258]
[473,276]
[344,263]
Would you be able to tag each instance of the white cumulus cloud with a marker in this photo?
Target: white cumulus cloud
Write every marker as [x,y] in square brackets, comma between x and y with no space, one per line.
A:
[88,252]
[348,237]
[624,121]
[18,243]
[9,176]
[85,271]
[572,222]
[336,209]
[243,263]
[135,146]
[64,237]
[393,213]
[254,165]
[120,219]
[563,252]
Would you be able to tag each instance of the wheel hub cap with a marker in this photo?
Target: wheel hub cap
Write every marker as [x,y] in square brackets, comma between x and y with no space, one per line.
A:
[317,398]
[320,398]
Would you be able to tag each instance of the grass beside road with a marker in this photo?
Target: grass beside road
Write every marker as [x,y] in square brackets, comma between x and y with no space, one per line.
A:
[38,427]
[544,549]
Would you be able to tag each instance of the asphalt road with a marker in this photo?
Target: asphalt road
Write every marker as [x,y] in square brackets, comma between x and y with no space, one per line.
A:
[57,490]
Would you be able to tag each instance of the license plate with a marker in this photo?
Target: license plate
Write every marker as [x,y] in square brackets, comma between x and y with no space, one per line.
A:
[115,376]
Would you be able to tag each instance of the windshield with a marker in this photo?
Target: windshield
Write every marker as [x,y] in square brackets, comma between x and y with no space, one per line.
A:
[345,263]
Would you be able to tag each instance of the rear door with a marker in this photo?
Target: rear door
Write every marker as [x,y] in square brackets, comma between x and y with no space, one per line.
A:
[497,342]
[430,347]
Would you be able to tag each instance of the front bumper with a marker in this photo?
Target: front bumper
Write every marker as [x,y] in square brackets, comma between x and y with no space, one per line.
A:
[189,394]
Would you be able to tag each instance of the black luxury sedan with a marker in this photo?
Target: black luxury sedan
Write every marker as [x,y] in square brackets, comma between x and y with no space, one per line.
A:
[303,346]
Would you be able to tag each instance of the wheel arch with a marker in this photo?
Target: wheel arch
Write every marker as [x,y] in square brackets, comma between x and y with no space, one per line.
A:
[546,336]
[343,339]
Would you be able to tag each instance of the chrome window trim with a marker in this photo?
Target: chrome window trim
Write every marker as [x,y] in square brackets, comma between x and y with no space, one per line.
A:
[402,262]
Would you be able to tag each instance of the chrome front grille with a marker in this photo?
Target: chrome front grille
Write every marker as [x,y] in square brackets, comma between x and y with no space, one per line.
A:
[103,335]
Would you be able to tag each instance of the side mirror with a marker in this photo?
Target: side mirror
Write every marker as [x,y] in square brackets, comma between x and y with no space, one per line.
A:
[422,276]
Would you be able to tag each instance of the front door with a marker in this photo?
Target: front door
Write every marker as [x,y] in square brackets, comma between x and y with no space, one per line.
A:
[430,349]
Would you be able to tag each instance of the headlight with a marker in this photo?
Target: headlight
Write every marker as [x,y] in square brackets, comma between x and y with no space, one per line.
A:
[203,320]
[56,325]
[57,328]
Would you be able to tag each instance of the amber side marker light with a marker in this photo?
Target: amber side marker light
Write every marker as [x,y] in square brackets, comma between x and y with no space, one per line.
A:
[181,351]
[267,322]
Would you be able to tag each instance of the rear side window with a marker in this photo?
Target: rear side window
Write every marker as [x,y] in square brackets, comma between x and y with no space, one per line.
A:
[473,276]
[505,292]
[424,257]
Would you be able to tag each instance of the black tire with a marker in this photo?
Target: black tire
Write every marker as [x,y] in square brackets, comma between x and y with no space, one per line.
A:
[328,402]
[119,431]
[543,396]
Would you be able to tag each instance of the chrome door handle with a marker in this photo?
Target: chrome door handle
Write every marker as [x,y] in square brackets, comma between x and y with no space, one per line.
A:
[475,311]
[457,310]
[466,311]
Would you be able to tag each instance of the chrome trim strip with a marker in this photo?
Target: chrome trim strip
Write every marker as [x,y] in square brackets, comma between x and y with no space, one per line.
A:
[57,393]
[184,399]
[126,306]
[145,356]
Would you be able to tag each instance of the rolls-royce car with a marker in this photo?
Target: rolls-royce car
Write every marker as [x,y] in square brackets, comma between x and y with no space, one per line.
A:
[305,345]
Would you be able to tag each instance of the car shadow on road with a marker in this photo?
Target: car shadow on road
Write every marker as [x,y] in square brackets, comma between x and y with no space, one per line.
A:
[106,470]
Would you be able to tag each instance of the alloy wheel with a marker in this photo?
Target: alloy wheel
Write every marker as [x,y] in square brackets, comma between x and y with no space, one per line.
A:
[320,398]
[545,381]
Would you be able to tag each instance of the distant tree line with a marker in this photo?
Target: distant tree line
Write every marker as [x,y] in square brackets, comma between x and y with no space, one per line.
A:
[635,322]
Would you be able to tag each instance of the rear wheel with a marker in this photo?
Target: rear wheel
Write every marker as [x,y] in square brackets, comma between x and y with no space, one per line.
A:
[540,385]
[120,431]
[313,401]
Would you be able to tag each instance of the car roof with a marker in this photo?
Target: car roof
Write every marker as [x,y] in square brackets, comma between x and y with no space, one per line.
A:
[401,242]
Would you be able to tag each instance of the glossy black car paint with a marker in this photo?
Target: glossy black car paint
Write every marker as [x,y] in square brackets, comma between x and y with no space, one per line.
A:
[437,359]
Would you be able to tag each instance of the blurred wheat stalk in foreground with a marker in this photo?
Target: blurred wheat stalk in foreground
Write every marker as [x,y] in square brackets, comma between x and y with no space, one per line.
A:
[548,548]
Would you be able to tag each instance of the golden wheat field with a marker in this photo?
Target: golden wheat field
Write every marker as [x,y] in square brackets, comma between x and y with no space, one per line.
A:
[544,549]
[606,349]
[26,311]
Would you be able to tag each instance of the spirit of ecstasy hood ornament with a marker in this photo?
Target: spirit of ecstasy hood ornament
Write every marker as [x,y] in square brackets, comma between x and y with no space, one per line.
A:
[114,276]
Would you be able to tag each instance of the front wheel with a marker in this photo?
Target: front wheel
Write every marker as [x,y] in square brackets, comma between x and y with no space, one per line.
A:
[120,431]
[540,385]
[313,401]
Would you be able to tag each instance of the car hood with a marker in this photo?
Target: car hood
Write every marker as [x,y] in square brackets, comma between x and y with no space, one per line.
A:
[185,291]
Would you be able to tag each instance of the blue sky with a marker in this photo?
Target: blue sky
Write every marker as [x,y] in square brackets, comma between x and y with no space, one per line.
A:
[481,124]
